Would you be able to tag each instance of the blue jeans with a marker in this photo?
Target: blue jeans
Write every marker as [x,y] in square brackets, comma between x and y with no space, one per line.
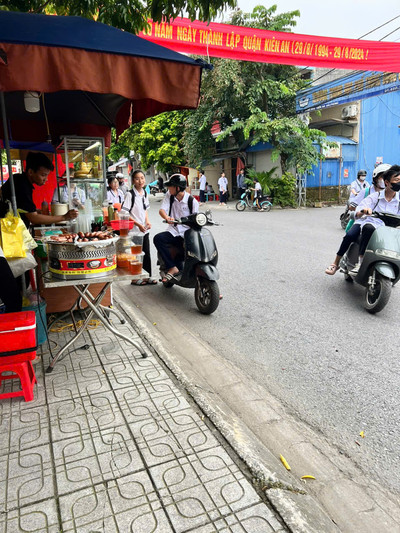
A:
[170,249]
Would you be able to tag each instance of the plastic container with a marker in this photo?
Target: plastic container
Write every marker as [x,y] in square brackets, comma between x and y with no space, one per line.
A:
[136,242]
[120,224]
[41,320]
[136,264]
[18,332]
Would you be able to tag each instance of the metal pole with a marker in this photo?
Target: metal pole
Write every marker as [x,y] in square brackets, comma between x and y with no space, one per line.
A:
[2,177]
[7,147]
[57,176]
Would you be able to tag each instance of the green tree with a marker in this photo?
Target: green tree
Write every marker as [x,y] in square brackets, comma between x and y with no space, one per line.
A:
[255,102]
[158,141]
[130,15]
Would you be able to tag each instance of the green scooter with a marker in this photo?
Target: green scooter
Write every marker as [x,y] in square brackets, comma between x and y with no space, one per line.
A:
[380,268]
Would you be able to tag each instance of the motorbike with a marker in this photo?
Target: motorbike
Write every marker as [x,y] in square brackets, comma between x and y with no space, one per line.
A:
[345,217]
[245,201]
[197,262]
[154,187]
[380,268]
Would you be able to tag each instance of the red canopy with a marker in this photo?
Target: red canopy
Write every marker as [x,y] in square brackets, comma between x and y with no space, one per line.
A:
[91,76]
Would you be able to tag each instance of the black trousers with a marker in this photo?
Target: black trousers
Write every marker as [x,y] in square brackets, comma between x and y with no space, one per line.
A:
[9,291]
[366,232]
[146,250]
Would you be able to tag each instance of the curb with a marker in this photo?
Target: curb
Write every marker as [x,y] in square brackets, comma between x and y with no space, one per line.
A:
[300,512]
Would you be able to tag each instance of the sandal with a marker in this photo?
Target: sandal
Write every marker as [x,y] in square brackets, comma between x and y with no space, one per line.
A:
[152,281]
[331,270]
[139,282]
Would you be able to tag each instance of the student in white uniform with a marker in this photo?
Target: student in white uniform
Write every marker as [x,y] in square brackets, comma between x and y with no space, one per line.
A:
[137,204]
[177,203]
[114,195]
[203,181]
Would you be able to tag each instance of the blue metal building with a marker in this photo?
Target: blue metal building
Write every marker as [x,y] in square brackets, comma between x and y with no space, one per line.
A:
[361,112]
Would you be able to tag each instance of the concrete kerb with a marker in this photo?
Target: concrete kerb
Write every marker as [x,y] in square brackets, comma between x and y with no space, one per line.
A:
[300,512]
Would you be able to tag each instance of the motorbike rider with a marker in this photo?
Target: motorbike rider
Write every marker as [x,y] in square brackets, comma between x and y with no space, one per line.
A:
[359,184]
[354,232]
[177,203]
[386,201]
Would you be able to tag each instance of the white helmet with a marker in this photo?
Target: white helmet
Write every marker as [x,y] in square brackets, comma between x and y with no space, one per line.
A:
[383,167]
[120,176]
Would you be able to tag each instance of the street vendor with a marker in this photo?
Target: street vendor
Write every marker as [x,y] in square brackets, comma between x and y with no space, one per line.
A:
[38,168]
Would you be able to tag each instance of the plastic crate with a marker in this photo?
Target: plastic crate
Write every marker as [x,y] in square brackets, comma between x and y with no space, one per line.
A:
[17,332]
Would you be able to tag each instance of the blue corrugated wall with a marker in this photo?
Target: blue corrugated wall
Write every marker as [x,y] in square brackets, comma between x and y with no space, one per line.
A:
[380,131]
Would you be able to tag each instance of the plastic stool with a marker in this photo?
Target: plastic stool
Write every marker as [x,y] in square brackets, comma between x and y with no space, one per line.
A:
[25,372]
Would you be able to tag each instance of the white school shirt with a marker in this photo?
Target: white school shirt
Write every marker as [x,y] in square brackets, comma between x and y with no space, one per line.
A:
[377,202]
[179,209]
[138,211]
[203,180]
[223,184]
[358,186]
[117,198]
[257,188]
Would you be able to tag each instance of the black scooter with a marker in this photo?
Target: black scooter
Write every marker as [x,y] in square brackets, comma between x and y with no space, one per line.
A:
[199,262]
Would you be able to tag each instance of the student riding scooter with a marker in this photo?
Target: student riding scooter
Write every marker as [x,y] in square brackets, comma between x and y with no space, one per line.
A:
[199,260]
[380,268]
[186,251]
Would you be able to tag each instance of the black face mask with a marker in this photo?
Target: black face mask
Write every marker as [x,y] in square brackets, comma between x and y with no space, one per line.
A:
[395,186]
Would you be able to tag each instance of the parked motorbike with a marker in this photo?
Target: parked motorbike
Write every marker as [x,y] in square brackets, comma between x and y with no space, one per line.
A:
[380,268]
[198,268]
[155,187]
[245,201]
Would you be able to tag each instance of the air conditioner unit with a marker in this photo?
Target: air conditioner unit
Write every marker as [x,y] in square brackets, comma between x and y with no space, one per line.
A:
[350,111]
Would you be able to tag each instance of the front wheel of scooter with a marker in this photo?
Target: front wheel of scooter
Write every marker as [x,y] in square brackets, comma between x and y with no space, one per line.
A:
[377,297]
[240,206]
[206,295]
[266,206]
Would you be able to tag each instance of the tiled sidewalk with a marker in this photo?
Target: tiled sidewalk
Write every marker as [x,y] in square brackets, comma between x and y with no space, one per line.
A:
[111,444]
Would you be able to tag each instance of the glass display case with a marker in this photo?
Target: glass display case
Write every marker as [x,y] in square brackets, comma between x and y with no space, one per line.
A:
[85,162]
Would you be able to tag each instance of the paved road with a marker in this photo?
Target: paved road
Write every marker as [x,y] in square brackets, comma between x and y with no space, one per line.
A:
[301,334]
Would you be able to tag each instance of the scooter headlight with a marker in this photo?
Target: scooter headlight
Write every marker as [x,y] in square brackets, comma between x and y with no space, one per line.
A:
[389,253]
[201,219]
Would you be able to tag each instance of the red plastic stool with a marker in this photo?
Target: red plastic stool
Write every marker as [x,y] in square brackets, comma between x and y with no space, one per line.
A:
[17,350]
[24,371]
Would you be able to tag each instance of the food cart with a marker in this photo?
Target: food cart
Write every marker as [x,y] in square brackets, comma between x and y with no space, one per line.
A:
[84,78]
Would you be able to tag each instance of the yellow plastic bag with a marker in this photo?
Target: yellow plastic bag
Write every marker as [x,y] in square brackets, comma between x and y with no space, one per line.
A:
[12,229]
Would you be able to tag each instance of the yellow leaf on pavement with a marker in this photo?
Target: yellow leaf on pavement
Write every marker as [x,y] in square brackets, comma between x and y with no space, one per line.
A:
[284,462]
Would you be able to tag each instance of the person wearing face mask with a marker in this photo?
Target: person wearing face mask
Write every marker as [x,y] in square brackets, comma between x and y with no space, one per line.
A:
[353,228]
[385,201]
[358,185]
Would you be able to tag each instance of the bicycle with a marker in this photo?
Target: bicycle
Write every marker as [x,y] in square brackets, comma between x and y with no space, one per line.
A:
[245,201]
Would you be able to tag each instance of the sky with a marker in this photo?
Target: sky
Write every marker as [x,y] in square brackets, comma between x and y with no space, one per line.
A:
[339,18]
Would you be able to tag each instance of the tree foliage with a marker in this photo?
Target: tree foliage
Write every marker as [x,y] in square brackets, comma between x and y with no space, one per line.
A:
[158,141]
[129,15]
[254,102]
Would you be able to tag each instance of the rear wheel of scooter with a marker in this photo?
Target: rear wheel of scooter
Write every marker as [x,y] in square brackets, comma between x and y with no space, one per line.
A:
[240,206]
[378,297]
[206,295]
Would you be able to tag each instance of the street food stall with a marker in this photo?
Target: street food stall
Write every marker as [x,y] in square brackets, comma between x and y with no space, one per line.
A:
[67,81]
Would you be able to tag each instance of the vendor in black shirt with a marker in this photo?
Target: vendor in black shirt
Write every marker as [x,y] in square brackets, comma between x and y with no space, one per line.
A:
[38,168]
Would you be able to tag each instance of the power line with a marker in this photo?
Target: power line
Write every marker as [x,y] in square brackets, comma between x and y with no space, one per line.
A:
[362,36]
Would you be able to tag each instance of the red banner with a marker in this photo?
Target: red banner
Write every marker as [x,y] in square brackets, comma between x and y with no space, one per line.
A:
[249,44]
